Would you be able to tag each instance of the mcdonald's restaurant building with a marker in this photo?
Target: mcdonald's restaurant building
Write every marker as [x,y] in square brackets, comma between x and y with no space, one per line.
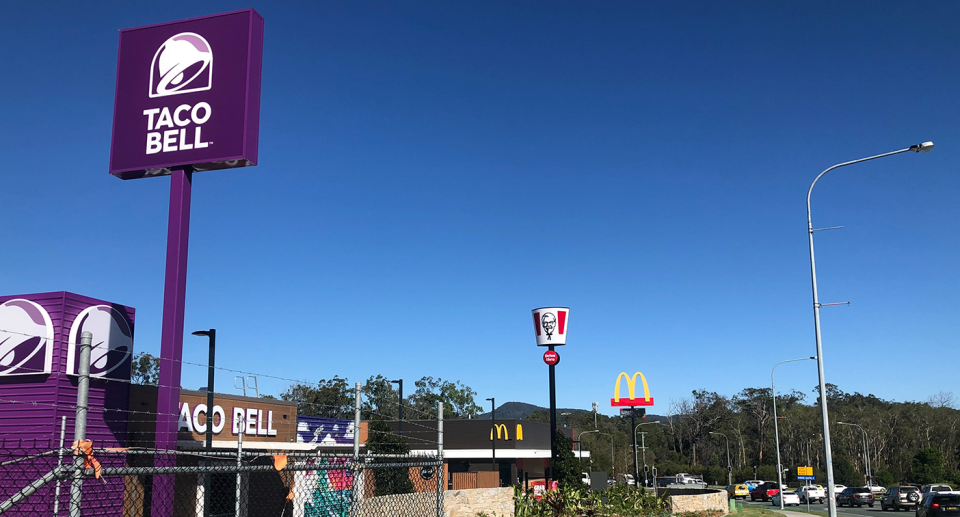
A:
[522,449]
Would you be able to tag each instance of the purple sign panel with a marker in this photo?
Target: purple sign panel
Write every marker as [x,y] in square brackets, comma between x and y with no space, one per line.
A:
[324,431]
[188,95]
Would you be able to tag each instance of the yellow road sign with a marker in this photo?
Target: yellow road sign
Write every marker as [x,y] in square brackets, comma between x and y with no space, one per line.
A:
[804,471]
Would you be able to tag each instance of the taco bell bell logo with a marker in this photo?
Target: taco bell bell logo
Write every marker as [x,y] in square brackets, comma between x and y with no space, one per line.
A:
[183,64]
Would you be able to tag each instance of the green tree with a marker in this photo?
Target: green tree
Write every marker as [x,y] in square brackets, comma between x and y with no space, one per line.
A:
[145,369]
[329,398]
[380,398]
[566,467]
[458,399]
[885,478]
[928,467]
[388,480]
[845,473]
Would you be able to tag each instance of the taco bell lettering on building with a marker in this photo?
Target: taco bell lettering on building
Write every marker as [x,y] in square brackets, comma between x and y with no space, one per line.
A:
[188,95]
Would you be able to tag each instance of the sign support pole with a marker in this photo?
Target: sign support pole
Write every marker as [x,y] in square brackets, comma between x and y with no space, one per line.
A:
[553,420]
[171,334]
[633,425]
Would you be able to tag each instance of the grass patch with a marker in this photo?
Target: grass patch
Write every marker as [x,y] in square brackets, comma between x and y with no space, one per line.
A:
[757,511]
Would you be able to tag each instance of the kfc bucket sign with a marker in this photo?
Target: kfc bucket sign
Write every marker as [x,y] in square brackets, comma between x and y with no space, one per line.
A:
[551,324]
[188,95]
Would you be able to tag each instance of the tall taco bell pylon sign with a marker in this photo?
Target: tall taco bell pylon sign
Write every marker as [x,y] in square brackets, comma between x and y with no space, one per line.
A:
[187,100]
[550,325]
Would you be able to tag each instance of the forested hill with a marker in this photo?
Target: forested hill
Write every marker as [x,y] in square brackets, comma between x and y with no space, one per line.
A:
[908,441]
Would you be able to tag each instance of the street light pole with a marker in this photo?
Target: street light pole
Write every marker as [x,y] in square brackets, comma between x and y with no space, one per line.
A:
[212,339]
[776,425]
[612,468]
[729,470]
[493,438]
[866,451]
[400,411]
[827,453]
[635,462]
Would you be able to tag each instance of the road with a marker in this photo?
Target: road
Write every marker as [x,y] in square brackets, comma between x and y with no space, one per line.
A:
[844,511]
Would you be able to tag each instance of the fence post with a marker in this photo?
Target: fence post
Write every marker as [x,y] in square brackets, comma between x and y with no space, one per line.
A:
[240,430]
[63,432]
[441,472]
[80,425]
[356,494]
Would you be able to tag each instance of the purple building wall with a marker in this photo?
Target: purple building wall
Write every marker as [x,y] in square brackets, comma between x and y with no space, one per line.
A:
[38,338]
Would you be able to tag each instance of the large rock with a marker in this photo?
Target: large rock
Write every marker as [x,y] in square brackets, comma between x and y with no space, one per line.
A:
[468,503]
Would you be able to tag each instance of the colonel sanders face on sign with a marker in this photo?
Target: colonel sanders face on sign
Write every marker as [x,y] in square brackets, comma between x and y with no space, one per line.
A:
[549,322]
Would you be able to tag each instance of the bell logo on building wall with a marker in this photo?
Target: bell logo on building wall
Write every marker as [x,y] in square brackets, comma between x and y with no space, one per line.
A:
[183,64]
[26,338]
[112,342]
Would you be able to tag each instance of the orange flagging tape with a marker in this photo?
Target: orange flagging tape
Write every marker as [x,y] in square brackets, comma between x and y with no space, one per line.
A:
[85,447]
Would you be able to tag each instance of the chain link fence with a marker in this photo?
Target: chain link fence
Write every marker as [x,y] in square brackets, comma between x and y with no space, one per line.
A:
[37,479]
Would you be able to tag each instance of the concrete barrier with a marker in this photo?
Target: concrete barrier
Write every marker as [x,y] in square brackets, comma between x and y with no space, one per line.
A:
[697,500]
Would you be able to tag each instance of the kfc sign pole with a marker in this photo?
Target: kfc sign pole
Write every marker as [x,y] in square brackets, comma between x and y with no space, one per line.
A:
[550,324]
[187,100]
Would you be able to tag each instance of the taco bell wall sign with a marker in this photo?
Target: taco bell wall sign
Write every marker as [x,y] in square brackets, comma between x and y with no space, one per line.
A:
[550,324]
[188,94]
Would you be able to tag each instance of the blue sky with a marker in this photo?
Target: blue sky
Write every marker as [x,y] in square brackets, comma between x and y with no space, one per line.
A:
[430,172]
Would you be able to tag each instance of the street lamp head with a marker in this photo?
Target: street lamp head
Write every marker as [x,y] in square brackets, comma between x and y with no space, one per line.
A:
[396,381]
[813,357]
[490,399]
[201,333]
[922,148]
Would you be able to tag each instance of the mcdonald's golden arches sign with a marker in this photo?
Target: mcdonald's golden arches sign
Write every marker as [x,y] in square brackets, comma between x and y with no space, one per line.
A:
[632,401]
[501,428]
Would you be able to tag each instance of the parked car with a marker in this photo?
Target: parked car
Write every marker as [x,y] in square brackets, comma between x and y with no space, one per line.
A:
[753,483]
[934,488]
[737,491]
[856,496]
[876,489]
[839,488]
[940,504]
[900,498]
[789,498]
[812,494]
[626,479]
[585,477]
[611,481]
[764,491]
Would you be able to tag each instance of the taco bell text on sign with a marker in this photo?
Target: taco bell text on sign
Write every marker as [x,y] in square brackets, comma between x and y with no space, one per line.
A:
[188,95]
[550,324]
